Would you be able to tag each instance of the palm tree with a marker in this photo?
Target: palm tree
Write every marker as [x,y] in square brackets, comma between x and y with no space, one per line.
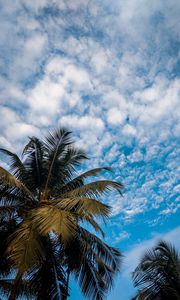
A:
[43,206]
[158,274]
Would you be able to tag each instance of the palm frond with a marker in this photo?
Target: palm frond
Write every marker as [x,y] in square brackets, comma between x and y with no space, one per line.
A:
[7,227]
[94,189]
[11,196]
[55,144]
[17,167]
[48,281]
[48,203]
[109,255]
[94,172]
[72,158]
[84,206]
[98,263]
[86,245]
[90,220]
[169,251]
[25,248]
[49,219]
[158,273]
[24,288]
[79,180]
[5,286]
[8,208]
[64,168]
[91,282]
[12,181]
[34,154]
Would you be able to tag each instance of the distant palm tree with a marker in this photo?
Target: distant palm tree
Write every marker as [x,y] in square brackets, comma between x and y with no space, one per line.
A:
[43,206]
[158,274]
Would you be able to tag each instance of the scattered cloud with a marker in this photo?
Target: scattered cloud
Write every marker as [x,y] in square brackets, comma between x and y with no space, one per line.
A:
[110,73]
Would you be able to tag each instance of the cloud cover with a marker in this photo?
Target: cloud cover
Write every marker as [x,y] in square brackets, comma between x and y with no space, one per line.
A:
[111,74]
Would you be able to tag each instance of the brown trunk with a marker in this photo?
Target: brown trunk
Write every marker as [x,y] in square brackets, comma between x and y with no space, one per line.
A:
[14,288]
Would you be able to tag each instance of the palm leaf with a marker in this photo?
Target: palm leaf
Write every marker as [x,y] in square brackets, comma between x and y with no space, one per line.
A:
[25,248]
[11,195]
[8,208]
[89,219]
[48,281]
[64,168]
[94,172]
[8,226]
[48,202]
[78,181]
[109,255]
[72,158]
[17,167]
[158,273]
[94,189]
[34,153]
[81,262]
[55,144]
[48,219]
[84,206]
[24,288]
[11,180]
[91,283]
[5,286]
[104,262]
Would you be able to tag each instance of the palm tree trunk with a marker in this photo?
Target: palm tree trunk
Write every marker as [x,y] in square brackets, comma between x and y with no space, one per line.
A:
[14,289]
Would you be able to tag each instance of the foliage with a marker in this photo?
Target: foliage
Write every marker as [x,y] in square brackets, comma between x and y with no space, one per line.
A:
[43,206]
[158,274]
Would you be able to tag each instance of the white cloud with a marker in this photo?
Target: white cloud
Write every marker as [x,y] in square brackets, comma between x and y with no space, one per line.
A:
[83,123]
[34,46]
[165,105]
[14,129]
[91,136]
[67,72]
[129,130]
[115,116]
[45,97]
[35,5]
[20,130]
[7,116]
[4,143]
[77,76]
[99,61]
[109,74]
[122,236]
[103,72]
[135,156]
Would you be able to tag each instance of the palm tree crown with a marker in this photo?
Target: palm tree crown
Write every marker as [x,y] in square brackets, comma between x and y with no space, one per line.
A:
[43,206]
[158,274]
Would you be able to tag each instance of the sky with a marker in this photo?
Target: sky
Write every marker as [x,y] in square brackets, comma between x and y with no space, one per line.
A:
[109,71]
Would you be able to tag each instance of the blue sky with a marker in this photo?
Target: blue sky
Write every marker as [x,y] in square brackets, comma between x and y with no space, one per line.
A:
[108,70]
